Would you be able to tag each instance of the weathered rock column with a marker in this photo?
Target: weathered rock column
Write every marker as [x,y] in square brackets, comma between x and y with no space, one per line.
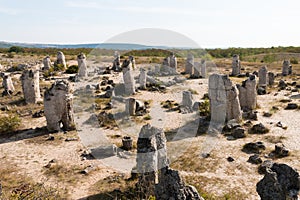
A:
[7,84]
[286,68]
[153,166]
[46,63]
[82,67]
[31,86]
[58,106]
[248,94]
[187,100]
[236,65]
[189,65]
[203,69]
[143,79]
[130,106]
[61,59]
[263,76]
[117,62]
[128,77]
[148,157]
[224,102]
[271,77]
[173,61]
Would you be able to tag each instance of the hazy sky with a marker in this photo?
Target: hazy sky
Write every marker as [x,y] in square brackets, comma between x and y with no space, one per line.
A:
[210,23]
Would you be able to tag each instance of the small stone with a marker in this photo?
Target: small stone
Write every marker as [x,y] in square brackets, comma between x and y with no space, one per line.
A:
[230,159]
[291,106]
[239,133]
[255,159]
[255,148]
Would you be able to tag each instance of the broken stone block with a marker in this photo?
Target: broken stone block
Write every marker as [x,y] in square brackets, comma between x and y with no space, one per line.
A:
[104,151]
[281,151]
[255,159]
[247,93]
[258,129]
[254,147]
[291,106]
[172,186]
[236,65]
[281,182]
[58,106]
[282,85]
[267,164]
[238,132]
[82,67]
[31,86]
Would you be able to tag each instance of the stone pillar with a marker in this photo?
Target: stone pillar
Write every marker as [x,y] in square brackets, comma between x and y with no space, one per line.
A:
[197,70]
[271,77]
[187,101]
[224,102]
[58,106]
[143,78]
[47,63]
[31,86]
[248,94]
[286,66]
[173,61]
[236,65]
[128,78]
[151,156]
[7,84]
[203,69]
[61,59]
[130,106]
[82,67]
[263,76]
[117,62]
[189,65]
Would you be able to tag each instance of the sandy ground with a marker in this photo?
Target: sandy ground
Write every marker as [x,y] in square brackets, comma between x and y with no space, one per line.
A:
[31,155]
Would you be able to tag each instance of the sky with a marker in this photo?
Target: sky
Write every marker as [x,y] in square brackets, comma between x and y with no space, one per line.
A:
[210,23]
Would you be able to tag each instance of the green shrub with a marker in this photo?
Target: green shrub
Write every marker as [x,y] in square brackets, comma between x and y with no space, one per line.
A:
[15,49]
[294,61]
[204,108]
[73,69]
[9,123]
[58,67]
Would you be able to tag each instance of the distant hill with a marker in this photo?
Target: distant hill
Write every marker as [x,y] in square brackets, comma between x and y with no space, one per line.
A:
[119,46]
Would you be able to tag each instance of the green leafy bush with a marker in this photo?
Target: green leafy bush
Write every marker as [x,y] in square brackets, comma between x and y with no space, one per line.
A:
[58,67]
[73,69]
[15,49]
[294,61]
[9,123]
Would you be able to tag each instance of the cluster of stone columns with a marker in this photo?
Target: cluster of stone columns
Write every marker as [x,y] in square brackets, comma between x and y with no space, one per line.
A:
[155,175]
[195,69]
[58,106]
[224,101]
